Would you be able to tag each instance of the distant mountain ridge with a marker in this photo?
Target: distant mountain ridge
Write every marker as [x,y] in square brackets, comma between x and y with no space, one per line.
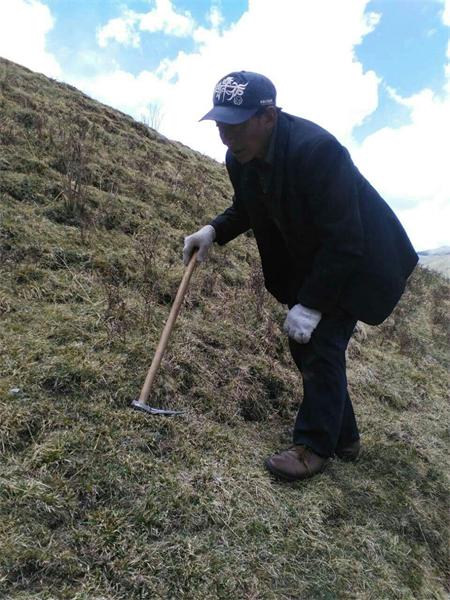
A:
[442,250]
[437,259]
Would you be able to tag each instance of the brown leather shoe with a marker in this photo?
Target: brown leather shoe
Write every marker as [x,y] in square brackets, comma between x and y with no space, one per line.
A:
[350,452]
[295,463]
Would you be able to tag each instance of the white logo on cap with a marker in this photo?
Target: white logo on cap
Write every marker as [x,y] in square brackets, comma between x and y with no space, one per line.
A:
[230,90]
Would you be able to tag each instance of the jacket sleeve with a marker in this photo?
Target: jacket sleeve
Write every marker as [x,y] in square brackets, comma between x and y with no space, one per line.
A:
[234,220]
[331,181]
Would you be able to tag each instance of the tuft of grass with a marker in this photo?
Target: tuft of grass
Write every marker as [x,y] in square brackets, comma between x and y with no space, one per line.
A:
[98,501]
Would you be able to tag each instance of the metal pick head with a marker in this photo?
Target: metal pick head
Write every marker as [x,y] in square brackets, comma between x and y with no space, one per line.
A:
[138,405]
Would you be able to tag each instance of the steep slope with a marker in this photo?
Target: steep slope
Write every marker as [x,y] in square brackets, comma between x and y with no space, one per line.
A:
[98,501]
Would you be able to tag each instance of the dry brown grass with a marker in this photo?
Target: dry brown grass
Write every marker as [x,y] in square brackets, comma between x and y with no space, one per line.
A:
[100,502]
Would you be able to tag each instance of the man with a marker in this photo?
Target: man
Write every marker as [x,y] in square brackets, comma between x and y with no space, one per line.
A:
[330,247]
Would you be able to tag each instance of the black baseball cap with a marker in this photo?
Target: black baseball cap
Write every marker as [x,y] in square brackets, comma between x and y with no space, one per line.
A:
[238,96]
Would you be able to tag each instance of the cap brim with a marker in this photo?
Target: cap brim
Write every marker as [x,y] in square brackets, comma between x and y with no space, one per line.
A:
[229,115]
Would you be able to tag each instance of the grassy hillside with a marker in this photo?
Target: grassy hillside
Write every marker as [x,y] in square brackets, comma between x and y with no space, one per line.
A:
[100,502]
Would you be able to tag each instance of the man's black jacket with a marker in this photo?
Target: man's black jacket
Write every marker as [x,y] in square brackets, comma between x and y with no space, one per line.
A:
[326,237]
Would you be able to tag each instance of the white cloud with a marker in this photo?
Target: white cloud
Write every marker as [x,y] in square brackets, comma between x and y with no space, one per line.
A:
[446,21]
[409,167]
[121,29]
[446,13]
[215,17]
[311,61]
[427,224]
[131,94]
[409,164]
[164,18]
[205,36]
[299,46]
[24,25]
[125,29]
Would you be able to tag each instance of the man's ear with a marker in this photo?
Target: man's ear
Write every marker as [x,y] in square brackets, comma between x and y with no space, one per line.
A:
[271,115]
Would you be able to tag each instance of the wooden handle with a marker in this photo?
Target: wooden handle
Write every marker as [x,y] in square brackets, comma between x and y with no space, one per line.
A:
[168,329]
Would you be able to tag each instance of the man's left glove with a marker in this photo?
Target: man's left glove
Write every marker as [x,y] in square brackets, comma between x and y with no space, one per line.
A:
[301,322]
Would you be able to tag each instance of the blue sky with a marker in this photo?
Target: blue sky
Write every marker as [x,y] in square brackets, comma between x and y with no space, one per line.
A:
[153,48]
[66,41]
[374,72]
[407,50]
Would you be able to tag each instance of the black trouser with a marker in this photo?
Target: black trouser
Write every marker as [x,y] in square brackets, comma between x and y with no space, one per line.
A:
[325,420]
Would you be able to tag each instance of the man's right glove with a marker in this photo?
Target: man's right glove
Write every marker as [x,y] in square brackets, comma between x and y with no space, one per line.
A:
[201,239]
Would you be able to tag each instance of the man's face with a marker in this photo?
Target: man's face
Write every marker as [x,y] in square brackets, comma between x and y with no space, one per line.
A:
[247,140]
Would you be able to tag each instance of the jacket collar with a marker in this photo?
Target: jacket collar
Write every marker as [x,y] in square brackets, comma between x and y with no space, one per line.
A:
[280,148]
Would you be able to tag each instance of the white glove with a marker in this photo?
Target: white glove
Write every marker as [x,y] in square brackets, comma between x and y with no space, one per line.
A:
[301,322]
[201,239]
